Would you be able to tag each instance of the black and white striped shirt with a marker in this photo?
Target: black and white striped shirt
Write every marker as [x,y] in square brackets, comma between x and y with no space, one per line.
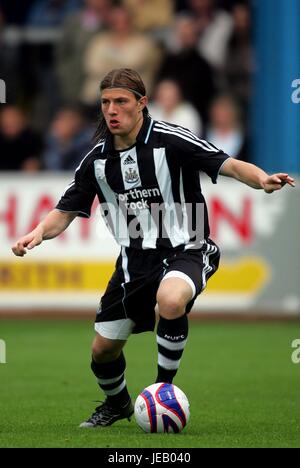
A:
[150,194]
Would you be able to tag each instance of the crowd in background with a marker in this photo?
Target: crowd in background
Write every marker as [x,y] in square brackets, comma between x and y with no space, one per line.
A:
[195,57]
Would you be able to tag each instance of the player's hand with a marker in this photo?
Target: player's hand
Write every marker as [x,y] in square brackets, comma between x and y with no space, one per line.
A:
[29,241]
[276,182]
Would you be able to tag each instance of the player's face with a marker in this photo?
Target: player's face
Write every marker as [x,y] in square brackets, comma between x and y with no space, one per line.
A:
[121,110]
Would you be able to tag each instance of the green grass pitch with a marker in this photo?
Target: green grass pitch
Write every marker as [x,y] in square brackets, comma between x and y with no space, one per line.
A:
[242,386]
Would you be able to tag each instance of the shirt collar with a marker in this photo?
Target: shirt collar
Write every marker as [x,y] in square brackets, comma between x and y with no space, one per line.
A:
[142,136]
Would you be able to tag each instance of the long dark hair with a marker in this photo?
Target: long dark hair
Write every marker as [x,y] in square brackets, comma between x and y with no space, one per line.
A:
[120,78]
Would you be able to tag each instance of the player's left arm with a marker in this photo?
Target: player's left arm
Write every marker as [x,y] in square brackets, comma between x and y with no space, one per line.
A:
[254,176]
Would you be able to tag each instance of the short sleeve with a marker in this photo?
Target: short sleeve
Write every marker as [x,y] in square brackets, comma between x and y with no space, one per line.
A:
[194,152]
[79,195]
[208,162]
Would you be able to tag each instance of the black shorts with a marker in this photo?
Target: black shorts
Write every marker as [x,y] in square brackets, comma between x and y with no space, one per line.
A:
[131,291]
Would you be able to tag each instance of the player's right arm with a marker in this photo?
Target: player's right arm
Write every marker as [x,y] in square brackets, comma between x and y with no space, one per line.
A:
[76,200]
[54,224]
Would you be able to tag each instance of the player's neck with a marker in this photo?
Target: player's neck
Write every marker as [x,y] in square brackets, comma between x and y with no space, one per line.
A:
[122,142]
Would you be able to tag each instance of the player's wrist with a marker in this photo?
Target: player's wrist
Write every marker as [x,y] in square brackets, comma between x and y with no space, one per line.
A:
[263,182]
[39,232]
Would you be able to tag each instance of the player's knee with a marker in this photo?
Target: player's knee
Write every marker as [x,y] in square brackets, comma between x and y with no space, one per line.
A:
[104,355]
[171,306]
[104,352]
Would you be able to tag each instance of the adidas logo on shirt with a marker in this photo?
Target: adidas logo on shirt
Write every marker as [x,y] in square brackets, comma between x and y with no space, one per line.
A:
[129,160]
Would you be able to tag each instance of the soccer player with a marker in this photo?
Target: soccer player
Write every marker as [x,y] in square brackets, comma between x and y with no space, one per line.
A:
[146,176]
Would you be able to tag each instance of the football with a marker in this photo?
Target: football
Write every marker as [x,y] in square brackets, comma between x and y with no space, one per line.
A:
[162,407]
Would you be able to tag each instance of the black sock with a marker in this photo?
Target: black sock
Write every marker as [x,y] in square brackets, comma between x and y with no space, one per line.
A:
[171,339]
[111,380]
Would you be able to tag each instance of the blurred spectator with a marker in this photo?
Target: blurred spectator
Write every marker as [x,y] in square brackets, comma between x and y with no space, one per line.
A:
[224,4]
[68,141]
[120,47]
[214,27]
[169,105]
[225,128]
[9,59]
[4,67]
[78,29]
[239,63]
[51,12]
[180,5]
[150,15]
[186,66]
[40,88]
[15,12]
[20,146]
